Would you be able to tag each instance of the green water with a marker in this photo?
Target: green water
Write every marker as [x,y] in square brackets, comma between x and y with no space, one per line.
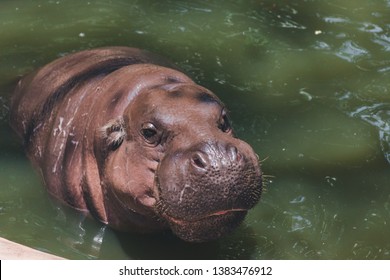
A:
[307,84]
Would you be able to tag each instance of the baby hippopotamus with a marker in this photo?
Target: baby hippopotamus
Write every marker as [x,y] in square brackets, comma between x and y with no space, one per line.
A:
[123,134]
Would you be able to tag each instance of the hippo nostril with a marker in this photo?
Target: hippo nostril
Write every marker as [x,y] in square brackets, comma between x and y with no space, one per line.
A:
[199,161]
[233,154]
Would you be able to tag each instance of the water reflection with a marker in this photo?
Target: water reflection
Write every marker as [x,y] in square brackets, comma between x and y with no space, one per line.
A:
[80,237]
[377,115]
[351,52]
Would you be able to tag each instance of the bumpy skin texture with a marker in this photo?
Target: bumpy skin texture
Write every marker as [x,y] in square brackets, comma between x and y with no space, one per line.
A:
[121,133]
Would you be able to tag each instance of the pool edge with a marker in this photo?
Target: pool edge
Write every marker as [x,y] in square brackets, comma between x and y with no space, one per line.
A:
[10,250]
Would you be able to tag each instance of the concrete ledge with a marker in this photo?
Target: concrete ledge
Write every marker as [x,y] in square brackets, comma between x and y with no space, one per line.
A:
[13,251]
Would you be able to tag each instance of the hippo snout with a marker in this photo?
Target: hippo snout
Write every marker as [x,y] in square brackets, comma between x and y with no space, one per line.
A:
[215,156]
[209,182]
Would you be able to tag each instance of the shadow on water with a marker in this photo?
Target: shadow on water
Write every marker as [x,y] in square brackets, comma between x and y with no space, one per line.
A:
[239,245]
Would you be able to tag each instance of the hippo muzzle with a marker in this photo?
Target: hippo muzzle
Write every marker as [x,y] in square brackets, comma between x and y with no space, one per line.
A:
[205,192]
[122,134]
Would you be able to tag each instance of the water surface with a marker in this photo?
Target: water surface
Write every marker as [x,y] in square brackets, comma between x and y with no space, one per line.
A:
[307,84]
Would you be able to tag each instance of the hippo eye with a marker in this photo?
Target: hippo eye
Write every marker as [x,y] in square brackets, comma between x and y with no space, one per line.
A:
[224,123]
[149,132]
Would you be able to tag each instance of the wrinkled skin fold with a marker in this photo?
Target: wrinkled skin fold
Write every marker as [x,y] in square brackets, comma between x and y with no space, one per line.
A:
[123,134]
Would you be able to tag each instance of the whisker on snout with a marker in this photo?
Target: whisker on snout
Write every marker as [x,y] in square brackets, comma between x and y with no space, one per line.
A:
[262,160]
[267,180]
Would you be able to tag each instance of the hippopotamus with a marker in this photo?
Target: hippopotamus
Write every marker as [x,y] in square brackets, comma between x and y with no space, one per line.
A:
[124,135]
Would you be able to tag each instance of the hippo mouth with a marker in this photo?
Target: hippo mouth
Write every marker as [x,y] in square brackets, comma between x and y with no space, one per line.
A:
[215,214]
[206,228]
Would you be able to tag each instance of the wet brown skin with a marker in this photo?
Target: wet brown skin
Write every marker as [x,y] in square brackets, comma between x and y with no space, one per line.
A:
[121,133]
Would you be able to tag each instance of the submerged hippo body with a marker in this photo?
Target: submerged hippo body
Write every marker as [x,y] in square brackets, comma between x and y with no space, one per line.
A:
[120,133]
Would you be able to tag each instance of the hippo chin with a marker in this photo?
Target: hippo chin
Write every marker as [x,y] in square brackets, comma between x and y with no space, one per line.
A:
[123,134]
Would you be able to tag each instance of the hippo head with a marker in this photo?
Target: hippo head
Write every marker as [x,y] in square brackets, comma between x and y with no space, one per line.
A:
[174,154]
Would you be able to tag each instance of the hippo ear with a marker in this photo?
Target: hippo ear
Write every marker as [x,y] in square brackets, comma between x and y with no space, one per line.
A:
[113,133]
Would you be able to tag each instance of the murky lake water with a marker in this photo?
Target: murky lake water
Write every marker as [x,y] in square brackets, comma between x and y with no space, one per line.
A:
[307,84]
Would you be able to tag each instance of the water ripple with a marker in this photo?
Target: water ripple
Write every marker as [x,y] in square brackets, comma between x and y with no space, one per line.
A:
[384,41]
[4,109]
[351,51]
[377,115]
[370,28]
